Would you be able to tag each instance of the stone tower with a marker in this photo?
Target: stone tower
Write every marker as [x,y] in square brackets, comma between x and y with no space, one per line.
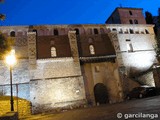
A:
[126,16]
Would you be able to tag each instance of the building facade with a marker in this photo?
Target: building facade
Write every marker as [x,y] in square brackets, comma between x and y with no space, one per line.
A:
[70,66]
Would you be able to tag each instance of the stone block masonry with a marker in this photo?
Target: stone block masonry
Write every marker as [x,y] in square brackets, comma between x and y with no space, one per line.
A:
[54,93]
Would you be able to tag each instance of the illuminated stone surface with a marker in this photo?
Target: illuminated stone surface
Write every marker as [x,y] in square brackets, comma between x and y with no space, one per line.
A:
[51,83]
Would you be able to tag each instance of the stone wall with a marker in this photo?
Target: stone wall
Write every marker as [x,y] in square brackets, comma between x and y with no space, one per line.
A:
[62,92]
[22,106]
[106,73]
[142,55]
[54,68]
[20,72]
[156,75]
[147,79]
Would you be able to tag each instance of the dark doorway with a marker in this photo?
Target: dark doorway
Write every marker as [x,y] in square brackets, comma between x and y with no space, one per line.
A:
[100,93]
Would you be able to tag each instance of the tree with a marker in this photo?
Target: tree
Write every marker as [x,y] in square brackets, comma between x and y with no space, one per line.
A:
[5,45]
[2,17]
[149,17]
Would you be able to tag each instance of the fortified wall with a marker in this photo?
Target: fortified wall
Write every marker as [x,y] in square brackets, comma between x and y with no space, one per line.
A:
[60,66]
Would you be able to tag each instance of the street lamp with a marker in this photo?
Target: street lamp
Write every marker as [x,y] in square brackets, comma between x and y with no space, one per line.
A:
[11,60]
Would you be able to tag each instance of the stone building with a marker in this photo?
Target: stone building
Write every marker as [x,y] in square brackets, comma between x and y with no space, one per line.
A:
[69,66]
[126,16]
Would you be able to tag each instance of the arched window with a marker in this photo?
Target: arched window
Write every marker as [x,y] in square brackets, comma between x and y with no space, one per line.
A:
[129,45]
[95,31]
[55,31]
[130,12]
[130,21]
[91,49]
[35,30]
[77,31]
[114,29]
[131,31]
[146,31]
[136,21]
[12,34]
[53,52]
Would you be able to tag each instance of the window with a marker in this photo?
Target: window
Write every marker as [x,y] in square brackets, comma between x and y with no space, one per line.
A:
[95,31]
[91,49]
[130,21]
[35,30]
[12,34]
[77,31]
[130,12]
[136,21]
[120,31]
[129,45]
[53,52]
[114,29]
[146,31]
[55,32]
[131,31]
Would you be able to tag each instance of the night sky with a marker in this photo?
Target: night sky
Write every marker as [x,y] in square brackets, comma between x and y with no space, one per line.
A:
[36,12]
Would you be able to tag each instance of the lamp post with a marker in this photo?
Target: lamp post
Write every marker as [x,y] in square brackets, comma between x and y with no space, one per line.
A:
[11,60]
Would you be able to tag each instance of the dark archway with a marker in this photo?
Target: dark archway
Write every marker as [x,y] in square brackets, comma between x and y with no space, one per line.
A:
[100,93]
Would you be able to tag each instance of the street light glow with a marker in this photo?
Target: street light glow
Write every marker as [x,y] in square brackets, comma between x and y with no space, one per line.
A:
[10,58]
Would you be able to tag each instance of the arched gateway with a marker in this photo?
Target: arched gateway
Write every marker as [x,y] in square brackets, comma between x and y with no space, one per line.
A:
[100,93]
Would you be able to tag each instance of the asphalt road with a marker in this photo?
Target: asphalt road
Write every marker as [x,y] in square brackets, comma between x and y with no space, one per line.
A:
[136,109]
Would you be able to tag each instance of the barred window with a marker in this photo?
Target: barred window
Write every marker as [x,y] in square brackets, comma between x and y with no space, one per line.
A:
[53,52]
[91,49]
[55,32]
[12,34]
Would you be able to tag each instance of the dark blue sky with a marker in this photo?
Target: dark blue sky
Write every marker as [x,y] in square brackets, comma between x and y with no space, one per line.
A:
[34,12]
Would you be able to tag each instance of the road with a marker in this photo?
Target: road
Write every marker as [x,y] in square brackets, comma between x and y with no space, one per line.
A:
[139,109]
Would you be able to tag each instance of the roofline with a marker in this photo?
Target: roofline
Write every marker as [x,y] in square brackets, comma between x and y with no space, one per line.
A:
[131,25]
[55,25]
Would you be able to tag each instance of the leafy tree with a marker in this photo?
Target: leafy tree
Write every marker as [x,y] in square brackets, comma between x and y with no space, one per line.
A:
[2,17]
[5,45]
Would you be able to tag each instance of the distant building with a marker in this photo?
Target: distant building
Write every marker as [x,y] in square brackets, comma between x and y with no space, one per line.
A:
[69,66]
